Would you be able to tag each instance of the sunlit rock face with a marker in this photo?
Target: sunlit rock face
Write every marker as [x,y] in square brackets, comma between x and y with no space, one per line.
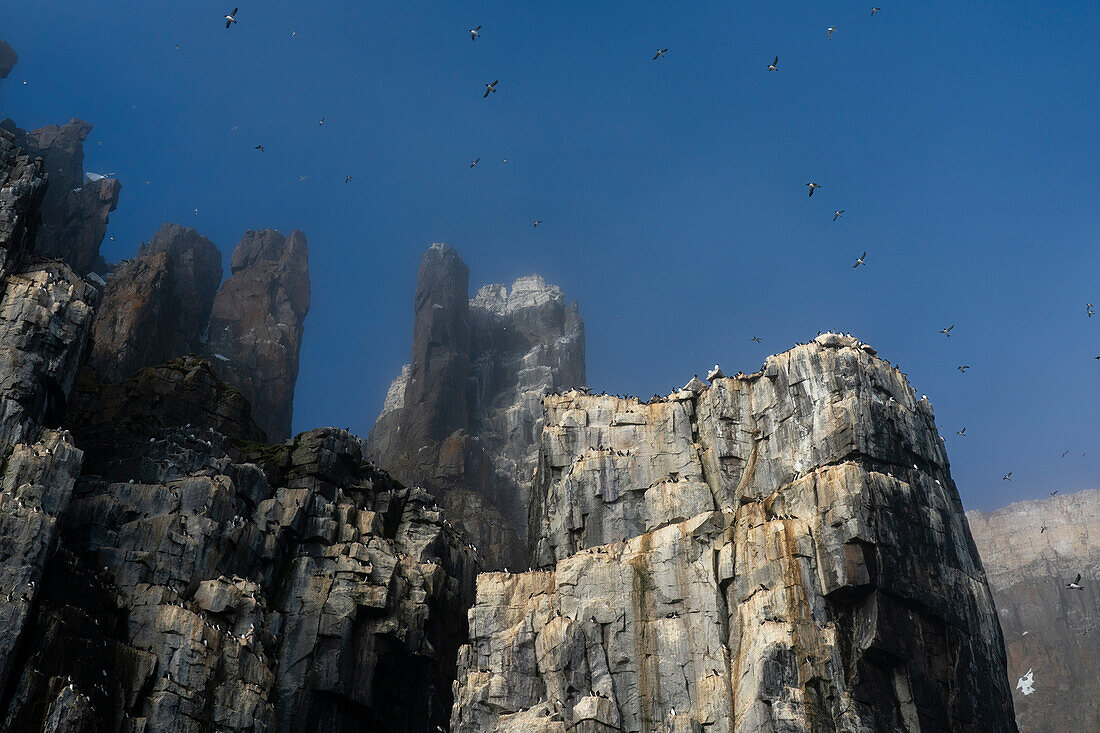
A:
[464,416]
[783,551]
[1048,628]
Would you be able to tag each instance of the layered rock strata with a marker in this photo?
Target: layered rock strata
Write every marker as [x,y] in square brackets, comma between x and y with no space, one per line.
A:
[783,551]
[1032,550]
[464,416]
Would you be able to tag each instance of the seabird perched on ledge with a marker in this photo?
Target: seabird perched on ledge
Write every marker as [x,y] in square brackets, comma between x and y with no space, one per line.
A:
[715,373]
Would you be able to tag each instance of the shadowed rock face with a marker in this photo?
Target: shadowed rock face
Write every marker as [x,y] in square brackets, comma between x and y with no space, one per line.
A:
[784,551]
[8,59]
[75,209]
[156,306]
[463,417]
[1048,628]
[22,186]
[257,322]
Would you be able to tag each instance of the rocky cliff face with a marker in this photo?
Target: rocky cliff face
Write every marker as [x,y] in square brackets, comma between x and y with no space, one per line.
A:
[1048,628]
[257,321]
[156,306]
[8,59]
[22,186]
[464,416]
[76,207]
[783,551]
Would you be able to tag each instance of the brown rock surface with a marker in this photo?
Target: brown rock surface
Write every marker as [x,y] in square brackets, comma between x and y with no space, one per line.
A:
[257,322]
[1049,629]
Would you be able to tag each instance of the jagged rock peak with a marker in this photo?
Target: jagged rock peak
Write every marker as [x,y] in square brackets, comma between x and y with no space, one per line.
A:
[526,292]
[8,59]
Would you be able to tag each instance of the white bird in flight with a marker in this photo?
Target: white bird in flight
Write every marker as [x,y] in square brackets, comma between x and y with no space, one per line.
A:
[1076,584]
[947,331]
[537,222]
[859,261]
[831,30]
[1026,684]
[231,18]
[1007,476]
[474,162]
[660,52]
[875,10]
[838,214]
[774,65]
[813,187]
[474,33]
[490,88]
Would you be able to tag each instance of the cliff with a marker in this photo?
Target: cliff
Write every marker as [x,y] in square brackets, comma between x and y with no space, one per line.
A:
[464,416]
[1048,628]
[783,551]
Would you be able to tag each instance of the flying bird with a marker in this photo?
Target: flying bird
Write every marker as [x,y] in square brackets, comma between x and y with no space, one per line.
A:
[831,30]
[813,186]
[1042,529]
[1054,493]
[961,432]
[537,222]
[774,65]
[859,261]
[1026,684]
[660,52]
[756,339]
[875,10]
[1076,584]
[963,367]
[490,89]
[259,147]
[474,33]
[1088,309]
[1065,453]
[1007,476]
[231,18]
[294,34]
[322,122]
[347,179]
[838,214]
[474,162]
[947,331]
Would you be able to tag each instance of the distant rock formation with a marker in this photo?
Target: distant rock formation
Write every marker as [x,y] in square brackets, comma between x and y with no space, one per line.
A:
[257,323]
[1048,628]
[784,551]
[22,186]
[76,208]
[464,416]
[157,305]
[8,59]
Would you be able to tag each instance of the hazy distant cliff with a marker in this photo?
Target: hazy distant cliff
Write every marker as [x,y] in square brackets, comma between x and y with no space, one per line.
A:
[1048,628]
[464,416]
[784,551]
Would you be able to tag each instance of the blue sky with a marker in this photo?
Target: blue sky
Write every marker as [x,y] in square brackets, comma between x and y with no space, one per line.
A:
[960,138]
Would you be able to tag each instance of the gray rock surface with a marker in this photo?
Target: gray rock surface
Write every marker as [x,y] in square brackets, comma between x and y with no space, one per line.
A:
[257,323]
[8,59]
[1048,628]
[783,551]
[463,418]
[22,186]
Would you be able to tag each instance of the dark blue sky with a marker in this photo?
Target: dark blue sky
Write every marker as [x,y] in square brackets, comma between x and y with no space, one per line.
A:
[960,137]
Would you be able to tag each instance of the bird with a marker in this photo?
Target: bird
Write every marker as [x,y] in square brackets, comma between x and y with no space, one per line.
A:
[875,10]
[347,179]
[1026,683]
[322,122]
[660,52]
[1076,584]
[474,162]
[1042,529]
[474,33]
[1007,476]
[490,88]
[962,368]
[813,186]
[774,65]
[259,147]
[1088,309]
[1054,493]
[947,331]
[831,30]
[537,222]
[838,214]
[756,339]
[859,260]
[1065,453]
[294,34]
[231,18]
[961,432]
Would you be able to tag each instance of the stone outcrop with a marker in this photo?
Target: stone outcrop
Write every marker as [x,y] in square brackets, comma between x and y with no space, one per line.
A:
[22,186]
[76,206]
[1048,628]
[783,551]
[156,306]
[8,59]
[257,322]
[464,416]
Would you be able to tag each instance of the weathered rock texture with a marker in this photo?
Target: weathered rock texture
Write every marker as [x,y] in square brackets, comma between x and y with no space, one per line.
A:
[156,306]
[257,322]
[783,551]
[8,59]
[464,416]
[76,208]
[22,186]
[1048,628]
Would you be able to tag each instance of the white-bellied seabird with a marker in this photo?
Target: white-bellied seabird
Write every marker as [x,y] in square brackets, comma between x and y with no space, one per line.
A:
[859,260]
[838,214]
[1007,476]
[231,18]
[875,10]
[660,52]
[537,222]
[474,33]
[756,339]
[474,162]
[774,65]
[1054,493]
[490,88]
[715,373]
[1088,309]
[347,179]
[947,331]
[961,432]
[1042,529]
[1076,584]
[831,30]
[1026,684]
[813,186]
